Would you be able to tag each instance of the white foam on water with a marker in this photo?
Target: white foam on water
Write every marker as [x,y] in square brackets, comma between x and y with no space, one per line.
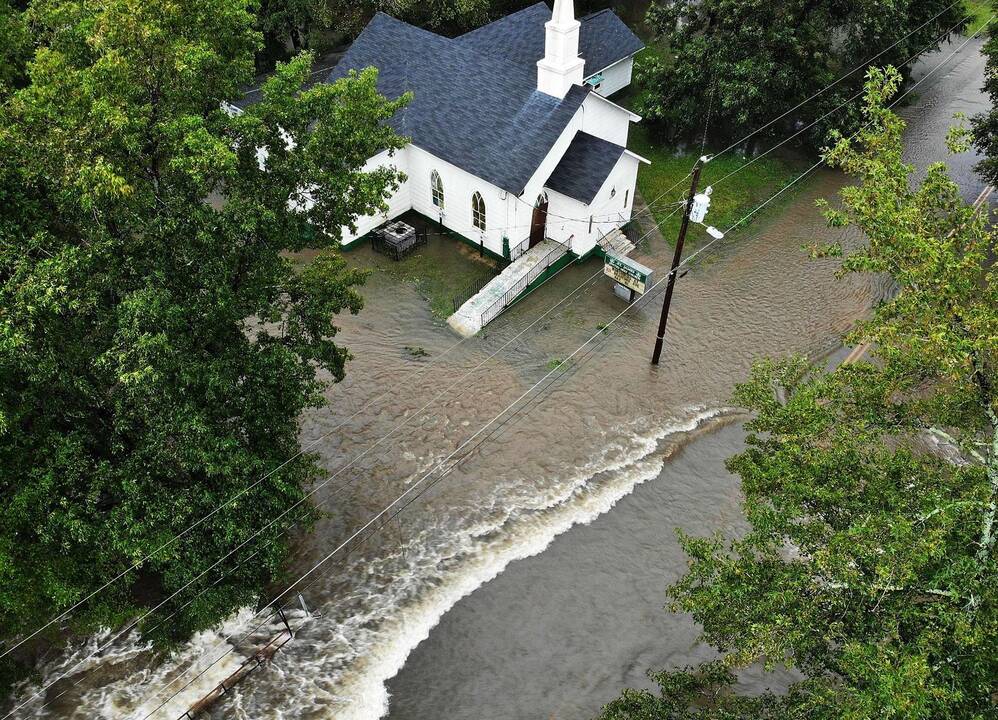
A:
[339,665]
[138,693]
[406,610]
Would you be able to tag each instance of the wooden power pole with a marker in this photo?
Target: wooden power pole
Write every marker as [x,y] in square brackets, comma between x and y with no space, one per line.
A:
[676,259]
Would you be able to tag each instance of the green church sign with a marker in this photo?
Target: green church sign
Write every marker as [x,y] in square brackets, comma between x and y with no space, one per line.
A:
[629,273]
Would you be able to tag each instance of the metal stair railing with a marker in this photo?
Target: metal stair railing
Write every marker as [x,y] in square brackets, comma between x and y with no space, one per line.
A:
[602,240]
[519,249]
[509,297]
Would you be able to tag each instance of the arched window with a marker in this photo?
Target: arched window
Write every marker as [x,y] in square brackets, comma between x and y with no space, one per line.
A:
[478,211]
[437,189]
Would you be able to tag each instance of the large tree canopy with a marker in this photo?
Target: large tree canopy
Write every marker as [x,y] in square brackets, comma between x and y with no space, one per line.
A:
[156,349]
[870,491]
[289,26]
[985,125]
[747,61]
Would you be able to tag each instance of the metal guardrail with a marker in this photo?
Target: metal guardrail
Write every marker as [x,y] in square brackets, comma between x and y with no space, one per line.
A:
[509,297]
[471,290]
[601,238]
[519,249]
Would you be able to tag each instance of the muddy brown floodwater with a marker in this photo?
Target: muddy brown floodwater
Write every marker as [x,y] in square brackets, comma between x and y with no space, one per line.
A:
[529,582]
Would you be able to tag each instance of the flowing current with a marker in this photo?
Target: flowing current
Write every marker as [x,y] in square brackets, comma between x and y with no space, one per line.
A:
[559,634]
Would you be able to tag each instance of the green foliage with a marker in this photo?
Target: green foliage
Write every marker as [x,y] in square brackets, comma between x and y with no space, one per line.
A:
[694,693]
[156,349]
[751,60]
[979,11]
[870,561]
[662,183]
[15,46]
[289,23]
[985,125]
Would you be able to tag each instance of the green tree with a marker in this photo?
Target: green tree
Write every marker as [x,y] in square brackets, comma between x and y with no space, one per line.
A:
[447,17]
[15,45]
[751,60]
[985,125]
[156,349]
[286,26]
[870,490]
[290,26]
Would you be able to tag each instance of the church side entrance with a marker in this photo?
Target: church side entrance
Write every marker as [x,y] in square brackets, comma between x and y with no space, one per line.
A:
[538,221]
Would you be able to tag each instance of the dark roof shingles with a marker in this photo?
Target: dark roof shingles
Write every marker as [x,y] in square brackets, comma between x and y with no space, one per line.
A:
[584,167]
[479,112]
[603,38]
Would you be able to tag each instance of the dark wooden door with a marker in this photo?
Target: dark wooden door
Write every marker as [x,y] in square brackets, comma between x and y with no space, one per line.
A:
[538,222]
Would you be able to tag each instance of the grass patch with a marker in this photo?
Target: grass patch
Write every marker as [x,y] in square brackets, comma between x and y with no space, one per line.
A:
[438,280]
[731,200]
[979,12]
[445,270]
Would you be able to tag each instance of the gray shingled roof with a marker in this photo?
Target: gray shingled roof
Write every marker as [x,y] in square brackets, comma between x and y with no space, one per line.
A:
[479,112]
[584,167]
[603,38]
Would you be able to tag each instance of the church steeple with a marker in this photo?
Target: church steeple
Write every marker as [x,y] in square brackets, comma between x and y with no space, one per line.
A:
[561,66]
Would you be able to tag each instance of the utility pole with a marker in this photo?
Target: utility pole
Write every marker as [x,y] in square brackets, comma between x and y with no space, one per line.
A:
[676,259]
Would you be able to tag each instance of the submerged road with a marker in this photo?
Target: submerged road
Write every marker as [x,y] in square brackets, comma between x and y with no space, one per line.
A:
[530,582]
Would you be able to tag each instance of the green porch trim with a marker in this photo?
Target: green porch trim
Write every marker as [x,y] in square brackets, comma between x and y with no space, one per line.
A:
[595,251]
[437,227]
[469,242]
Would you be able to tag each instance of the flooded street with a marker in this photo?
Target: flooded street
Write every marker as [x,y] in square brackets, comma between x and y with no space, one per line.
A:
[441,614]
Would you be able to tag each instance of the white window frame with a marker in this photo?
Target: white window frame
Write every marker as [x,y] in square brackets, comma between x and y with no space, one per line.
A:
[478,211]
[437,189]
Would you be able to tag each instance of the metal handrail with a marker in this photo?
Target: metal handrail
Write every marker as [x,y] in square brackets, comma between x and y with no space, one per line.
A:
[602,236]
[471,290]
[519,250]
[509,297]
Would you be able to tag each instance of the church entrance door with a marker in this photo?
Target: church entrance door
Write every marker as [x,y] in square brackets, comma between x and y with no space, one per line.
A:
[538,221]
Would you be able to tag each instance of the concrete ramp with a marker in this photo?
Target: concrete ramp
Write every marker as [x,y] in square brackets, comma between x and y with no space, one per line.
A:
[505,288]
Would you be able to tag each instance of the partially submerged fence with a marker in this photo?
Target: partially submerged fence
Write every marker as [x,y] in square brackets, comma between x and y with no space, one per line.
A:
[509,297]
[470,290]
[397,250]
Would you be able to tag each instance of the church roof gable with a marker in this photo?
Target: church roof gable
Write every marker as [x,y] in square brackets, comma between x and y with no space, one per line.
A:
[478,111]
[603,38]
[584,167]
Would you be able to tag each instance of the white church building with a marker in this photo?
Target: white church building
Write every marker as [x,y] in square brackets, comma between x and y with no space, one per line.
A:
[513,144]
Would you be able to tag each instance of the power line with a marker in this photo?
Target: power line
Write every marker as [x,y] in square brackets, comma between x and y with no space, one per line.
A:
[321,485]
[423,369]
[65,614]
[137,564]
[840,79]
[585,282]
[603,332]
[830,112]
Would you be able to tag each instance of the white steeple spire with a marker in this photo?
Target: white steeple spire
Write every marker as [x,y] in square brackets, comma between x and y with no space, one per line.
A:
[561,66]
[564,12]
